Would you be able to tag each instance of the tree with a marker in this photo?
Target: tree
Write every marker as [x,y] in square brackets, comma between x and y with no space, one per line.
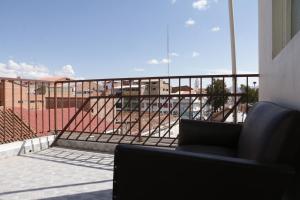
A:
[217,94]
[251,94]
[41,90]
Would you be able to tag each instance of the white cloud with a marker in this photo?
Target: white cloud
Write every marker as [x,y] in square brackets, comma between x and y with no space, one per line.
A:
[66,70]
[216,29]
[229,71]
[14,69]
[218,71]
[138,69]
[201,4]
[173,54]
[190,22]
[195,54]
[173,1]
[165,61]
[157,62]
[153,62]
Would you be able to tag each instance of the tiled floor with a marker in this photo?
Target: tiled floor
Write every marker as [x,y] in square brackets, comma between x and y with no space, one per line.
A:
[57,174]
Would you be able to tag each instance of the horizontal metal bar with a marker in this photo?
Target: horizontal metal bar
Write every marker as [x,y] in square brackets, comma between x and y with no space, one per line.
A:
[164,77]
[165,95]
[24,79]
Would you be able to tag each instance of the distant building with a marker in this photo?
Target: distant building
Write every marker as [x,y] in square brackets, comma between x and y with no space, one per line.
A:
[16,94]
[90,88]
[137,89]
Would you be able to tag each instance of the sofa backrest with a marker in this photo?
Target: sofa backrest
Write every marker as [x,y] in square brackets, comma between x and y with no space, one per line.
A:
[270,134]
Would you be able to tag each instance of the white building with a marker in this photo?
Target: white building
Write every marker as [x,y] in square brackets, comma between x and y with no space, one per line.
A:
[279,51]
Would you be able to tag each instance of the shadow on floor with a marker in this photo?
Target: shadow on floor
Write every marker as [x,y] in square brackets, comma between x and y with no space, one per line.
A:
[101,195]
[75,157]
[53,187]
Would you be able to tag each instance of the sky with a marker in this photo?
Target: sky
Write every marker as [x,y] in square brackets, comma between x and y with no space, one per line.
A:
[117,38]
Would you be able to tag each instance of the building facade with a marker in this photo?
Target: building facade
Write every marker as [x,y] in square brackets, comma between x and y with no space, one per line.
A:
[279,50]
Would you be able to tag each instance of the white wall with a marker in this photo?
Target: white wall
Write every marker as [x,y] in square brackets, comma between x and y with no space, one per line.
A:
[26,146]
[279,77]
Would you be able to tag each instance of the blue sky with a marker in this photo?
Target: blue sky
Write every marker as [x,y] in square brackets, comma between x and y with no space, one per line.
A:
[114,38]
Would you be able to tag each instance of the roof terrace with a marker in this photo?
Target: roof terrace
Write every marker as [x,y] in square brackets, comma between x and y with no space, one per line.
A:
[59,135]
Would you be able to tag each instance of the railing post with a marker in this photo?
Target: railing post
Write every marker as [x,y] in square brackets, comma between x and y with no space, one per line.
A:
[139,97]
[55,109]
[49,112]
[4,110]
[248,95]
[35,108]
[21,96]
[234,91]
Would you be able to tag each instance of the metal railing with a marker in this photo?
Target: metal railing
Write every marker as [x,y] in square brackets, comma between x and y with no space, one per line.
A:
[143,110]
[147,110]
[23,110]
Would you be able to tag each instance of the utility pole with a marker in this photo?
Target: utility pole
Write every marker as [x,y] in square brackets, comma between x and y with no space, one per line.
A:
[232,36]
[233,53]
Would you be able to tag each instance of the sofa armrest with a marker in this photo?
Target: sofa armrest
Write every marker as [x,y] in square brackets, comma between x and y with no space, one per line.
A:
[192,132]
[151,173]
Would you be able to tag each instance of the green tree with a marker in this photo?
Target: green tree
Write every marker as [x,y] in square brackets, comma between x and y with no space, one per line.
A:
[41,90]
[217,94]
[251,94]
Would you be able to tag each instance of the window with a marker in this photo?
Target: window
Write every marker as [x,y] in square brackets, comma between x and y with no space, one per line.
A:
[281,25]
[285,23]
[295,17]
[119,105]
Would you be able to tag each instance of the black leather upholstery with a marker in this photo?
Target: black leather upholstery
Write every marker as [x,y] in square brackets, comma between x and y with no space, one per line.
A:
[146,173]
[259,160]
[270,134]
[208,133]
[210,149]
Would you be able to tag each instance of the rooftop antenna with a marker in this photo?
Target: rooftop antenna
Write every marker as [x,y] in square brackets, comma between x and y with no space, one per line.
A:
[168,50]
[232,36]
[233,52]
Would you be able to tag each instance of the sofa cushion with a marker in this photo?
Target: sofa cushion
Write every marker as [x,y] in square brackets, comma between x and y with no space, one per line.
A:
[270,134]
[217,150]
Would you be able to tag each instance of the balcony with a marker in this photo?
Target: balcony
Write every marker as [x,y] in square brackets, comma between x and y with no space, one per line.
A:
[98,114]
[121,110]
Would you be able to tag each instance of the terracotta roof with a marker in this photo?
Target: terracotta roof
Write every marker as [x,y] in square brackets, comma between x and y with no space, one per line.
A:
[55,78]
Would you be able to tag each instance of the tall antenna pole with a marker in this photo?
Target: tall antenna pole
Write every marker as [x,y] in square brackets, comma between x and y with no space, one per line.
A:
[232,36]
[168,50]
[233,54]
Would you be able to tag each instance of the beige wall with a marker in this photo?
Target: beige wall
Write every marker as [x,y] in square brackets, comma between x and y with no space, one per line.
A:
[108,112]
[156,87]
[18,93]
[279,77]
